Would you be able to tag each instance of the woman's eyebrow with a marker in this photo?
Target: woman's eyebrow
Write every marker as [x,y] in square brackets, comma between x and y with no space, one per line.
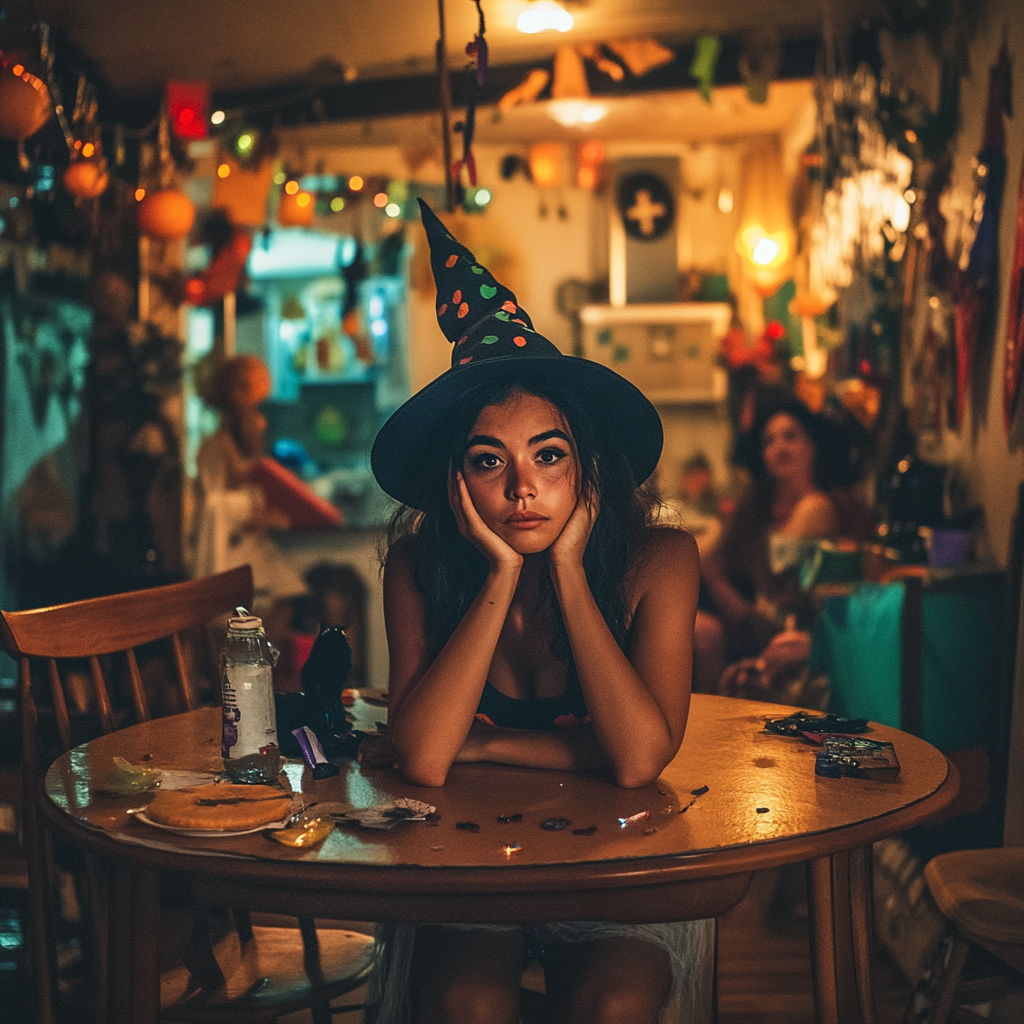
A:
[493,442]
[548,434]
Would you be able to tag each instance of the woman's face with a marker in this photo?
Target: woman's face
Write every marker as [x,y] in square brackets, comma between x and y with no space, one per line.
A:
[522,471]
[787,449]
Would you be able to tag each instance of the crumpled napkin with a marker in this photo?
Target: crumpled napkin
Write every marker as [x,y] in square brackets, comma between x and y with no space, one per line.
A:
[127,779]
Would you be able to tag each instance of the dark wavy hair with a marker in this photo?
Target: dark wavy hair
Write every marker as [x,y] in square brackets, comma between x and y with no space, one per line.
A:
[449,570]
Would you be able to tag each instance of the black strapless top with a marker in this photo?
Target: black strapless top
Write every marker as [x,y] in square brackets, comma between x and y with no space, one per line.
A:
[560,712]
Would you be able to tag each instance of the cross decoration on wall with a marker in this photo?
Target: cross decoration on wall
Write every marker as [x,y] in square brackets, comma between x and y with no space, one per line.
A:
[646,205]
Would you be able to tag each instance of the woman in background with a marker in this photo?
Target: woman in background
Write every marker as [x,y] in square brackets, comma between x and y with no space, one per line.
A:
[801,466]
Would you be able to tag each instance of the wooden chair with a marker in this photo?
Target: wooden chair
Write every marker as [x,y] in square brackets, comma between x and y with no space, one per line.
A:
[981,892]
[273,970]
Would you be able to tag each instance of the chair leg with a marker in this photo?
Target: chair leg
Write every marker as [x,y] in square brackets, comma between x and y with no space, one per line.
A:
[198,956]
[243,925]
[949,982]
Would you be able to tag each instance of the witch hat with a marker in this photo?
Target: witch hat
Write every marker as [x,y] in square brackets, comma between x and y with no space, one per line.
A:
[493,338]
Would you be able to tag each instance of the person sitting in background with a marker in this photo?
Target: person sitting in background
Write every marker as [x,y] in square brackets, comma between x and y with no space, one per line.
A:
[801,466]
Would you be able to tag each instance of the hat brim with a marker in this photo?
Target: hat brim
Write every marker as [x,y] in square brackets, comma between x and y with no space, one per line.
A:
[404,452]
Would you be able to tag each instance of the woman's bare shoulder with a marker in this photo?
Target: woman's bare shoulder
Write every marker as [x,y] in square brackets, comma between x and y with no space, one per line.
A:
[815,515]
[667,549]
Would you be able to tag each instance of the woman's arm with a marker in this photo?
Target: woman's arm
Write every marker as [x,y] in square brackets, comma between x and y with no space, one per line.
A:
[815,515]
[637,699]
[432,704]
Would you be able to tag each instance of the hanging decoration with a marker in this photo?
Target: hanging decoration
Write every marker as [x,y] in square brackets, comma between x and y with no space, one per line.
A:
[86,178]
[1014,333]
[705,57]
[230,247]
[477,53]
[865,207]
[977,285]
[166,214]
[24,102]
[759,63]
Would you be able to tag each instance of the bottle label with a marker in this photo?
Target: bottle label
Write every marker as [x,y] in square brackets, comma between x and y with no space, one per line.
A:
[249,723]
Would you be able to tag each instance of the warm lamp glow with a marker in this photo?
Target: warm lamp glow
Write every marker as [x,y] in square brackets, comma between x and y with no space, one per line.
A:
[223,170]
[380,200]
[292,188]
[572,113]
[546,164]
[762,249]
[542,15]
[355,183]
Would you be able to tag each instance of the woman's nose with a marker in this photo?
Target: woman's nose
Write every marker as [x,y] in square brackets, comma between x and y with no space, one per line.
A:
[521,483]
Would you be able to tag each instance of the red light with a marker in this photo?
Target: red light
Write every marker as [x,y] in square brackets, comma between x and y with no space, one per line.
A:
[775,330]
[187,104]
[865,368]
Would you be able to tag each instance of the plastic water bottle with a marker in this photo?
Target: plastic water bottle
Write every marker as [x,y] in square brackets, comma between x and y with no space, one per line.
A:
[249,724]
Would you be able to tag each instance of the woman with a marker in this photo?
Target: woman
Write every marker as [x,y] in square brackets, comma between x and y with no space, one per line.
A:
[800,464]
[534,618]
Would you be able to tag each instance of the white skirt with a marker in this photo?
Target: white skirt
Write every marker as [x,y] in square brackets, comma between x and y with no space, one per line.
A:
[689,944]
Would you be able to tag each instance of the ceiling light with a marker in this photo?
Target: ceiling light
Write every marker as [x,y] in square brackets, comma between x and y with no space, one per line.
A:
[542,15]
[572,113]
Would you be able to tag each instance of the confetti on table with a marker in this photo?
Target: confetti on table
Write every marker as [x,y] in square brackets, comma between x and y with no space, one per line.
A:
[588,831]
[509,819]
[649,831]
[762,810]
[467,826]
[634,818]
[512,848]
[555,824]
[699,792]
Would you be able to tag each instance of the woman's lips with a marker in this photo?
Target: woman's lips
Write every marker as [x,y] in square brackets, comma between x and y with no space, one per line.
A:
[525,520]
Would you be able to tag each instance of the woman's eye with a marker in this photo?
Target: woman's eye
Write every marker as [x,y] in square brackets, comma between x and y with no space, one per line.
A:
[549,456]
[484,460]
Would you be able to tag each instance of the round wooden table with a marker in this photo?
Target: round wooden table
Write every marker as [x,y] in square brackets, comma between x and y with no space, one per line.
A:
[691,856]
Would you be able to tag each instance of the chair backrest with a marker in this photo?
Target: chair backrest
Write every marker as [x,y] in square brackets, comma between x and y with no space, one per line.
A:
[62,638]
[117,624]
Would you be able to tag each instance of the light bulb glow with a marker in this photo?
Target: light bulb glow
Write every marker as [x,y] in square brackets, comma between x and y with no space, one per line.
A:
[392,209]
[482,197]
[571,113]
[337,204]
[764,252]
[292,187]
[303,199]
[380,200]
[223,170]
[542,15]
[217,117]
[245,141]
[140,194]
[355,183]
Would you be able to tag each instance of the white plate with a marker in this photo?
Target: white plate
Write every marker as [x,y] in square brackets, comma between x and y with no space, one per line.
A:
[202,833]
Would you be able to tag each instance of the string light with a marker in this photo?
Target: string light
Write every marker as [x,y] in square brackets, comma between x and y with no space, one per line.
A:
[380,200]
[337,204]
[223,170]
[355,183]
[292,187]
[217,117]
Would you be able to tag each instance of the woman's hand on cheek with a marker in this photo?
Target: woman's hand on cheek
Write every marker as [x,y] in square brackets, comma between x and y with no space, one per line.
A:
[570,544]
[476,531]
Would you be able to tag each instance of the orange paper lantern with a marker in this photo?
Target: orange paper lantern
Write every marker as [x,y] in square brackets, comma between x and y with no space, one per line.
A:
[166,214]
[295,211]
[87,179]
[24,101]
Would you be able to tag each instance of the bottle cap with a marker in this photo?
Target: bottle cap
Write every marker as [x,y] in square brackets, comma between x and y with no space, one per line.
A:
[242,621]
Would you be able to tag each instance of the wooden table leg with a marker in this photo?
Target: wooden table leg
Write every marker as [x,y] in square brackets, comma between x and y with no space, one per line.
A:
[840,921]
[134,944]
[145,961]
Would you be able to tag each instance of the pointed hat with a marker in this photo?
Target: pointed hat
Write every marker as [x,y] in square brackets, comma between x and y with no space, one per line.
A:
[493,339]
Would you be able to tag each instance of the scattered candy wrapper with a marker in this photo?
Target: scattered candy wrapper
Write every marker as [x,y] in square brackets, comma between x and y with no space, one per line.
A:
[307,832]
[127,779]
[387,815]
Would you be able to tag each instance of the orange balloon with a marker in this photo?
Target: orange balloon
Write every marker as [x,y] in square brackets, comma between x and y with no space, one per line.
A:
[86,179]
[24,105]
[166,214]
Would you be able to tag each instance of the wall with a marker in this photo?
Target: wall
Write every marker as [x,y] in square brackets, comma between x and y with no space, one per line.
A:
[993,463]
